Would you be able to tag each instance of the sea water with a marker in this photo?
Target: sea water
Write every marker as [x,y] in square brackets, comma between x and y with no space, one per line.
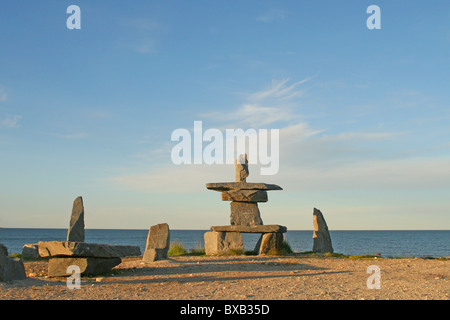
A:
[397,243]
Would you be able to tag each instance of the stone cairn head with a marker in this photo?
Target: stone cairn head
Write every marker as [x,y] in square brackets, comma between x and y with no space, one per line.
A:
[242,168]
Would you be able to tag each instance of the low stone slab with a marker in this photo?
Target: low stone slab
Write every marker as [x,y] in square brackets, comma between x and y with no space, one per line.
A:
[270,228]
[244,195]
[57,267]
[222,242]
[83,249]
[226,186]
[10,268]
[158,242]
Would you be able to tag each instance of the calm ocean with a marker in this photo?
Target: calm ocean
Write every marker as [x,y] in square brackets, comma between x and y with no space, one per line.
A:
[416,243]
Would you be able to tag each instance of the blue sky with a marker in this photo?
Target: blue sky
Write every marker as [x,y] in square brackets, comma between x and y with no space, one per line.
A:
[363,114]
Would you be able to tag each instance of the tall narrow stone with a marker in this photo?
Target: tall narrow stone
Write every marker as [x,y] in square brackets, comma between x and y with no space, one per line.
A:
[321,236]
[158,242]
[76,226]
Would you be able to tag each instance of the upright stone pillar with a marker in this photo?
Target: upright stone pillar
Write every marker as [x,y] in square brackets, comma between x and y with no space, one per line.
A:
[158,242]
[321,236]
[76,226]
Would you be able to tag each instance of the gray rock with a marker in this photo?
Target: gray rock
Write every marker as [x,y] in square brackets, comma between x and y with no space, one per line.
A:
[83,249]
[245,214]
[158,242]
[321,236]
[76,226]
[222,242]
[245,195]
[57,267]
[30,251]
[10,268]
[3,250]
[268,242]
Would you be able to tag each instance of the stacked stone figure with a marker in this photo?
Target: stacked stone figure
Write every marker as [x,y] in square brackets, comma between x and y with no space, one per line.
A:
[91,258]
[245,215]
[244,196]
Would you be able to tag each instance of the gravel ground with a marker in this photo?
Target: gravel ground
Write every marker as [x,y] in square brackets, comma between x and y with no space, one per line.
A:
[243,277]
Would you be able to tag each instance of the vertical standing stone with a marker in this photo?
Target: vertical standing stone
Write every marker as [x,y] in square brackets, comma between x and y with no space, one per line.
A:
[245,214]
[321,236]
[76,226]
[242,168]
[158,242]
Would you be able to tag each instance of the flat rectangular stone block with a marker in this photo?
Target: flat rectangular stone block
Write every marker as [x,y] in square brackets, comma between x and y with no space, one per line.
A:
[270,228]
[57,267]
[226,186]
[244,195]
[83,249]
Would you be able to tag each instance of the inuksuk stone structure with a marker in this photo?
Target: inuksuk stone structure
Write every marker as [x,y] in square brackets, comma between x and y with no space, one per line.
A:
[91,258]
[245,215]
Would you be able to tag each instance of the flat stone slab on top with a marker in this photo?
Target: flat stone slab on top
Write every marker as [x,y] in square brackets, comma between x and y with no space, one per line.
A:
[269,228]
[226,186]
[83,249]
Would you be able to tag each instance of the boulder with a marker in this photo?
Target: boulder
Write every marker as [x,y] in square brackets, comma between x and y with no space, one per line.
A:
[245,214]
[76,226]
[57,267]
[268,242]
[10,268]
[222,242]
[30,251]
[83,249]
[158,242]
[321,236]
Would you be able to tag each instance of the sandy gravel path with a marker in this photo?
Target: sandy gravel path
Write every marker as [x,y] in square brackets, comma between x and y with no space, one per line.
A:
[244,277]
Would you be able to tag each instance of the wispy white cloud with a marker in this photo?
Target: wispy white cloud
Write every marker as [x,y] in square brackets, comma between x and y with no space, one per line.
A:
[361,136]
[279,89]
[273,104]
[10,121]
